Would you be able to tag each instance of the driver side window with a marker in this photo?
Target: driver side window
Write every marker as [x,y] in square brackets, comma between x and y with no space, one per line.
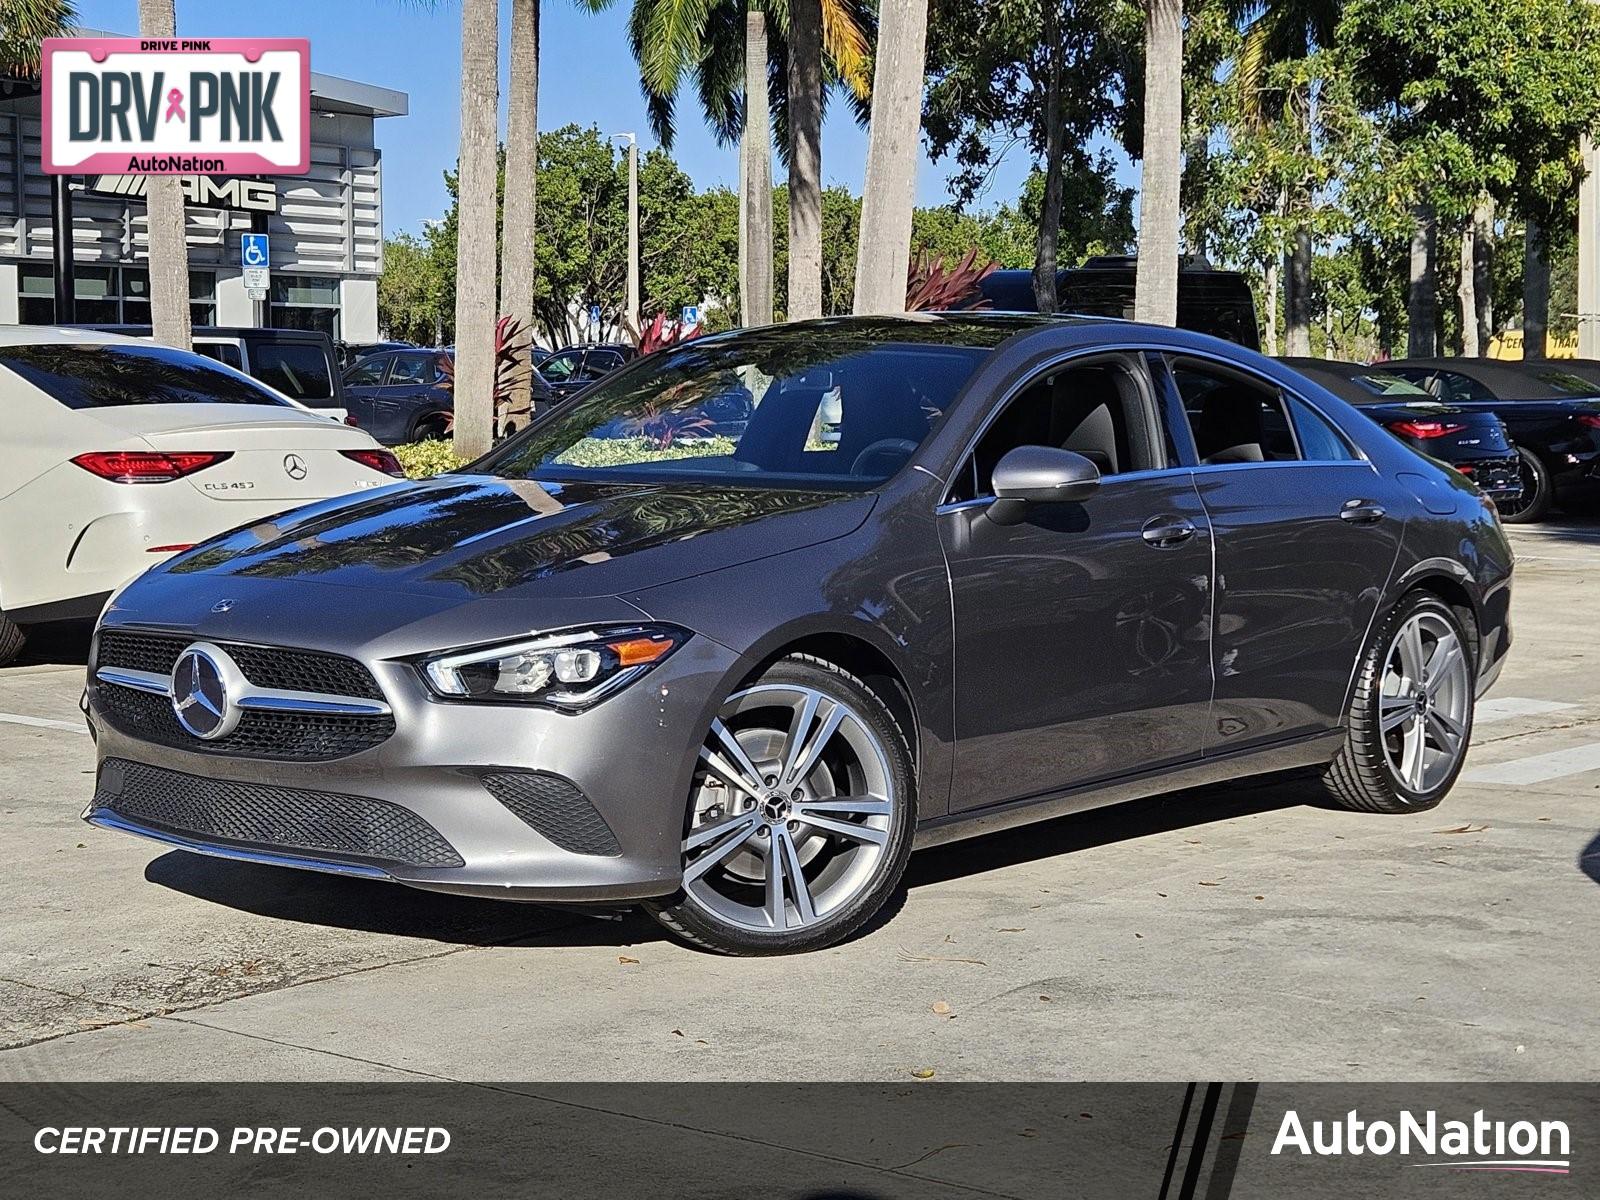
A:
[1099,410]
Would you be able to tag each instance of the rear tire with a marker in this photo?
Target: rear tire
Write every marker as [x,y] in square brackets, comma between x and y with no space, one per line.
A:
[12,640]
[1538,492]
[831,797]
[1410,719]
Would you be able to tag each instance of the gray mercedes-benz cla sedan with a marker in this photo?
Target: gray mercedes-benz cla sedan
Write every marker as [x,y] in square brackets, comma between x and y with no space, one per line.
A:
[733,630]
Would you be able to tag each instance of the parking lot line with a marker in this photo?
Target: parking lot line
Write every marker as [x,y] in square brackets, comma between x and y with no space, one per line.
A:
[42,723]
[1537,768]
[1503,708]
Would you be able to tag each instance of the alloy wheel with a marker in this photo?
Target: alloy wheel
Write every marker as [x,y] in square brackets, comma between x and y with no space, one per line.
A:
[792,810]
[1424,702]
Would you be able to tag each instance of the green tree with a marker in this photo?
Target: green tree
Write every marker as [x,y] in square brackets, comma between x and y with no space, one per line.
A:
[1045,72]
[1477,97]
[412,291]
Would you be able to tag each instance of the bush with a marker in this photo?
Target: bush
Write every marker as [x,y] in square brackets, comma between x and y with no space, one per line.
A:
[615,452]
[423,460]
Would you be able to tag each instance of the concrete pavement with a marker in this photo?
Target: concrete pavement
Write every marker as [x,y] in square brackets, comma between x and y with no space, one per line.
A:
[1232,932]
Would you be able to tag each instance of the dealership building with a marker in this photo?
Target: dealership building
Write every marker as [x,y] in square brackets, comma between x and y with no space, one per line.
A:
[326,227]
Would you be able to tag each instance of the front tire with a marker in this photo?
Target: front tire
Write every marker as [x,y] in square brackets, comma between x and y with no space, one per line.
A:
[1410,719]
[1538,492]
[800,818]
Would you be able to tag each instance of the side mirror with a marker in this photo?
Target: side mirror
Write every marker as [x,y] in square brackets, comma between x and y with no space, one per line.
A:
[1040,475]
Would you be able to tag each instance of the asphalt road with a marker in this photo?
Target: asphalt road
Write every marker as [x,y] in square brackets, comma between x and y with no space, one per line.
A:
[1234,932]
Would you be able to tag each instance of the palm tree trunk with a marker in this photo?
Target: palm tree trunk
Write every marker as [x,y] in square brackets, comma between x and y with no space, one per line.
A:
[883,254]
[167,244]
[1422,336]
[1297,295]
[517,218]
[475,238]
[1467,292]
[1045,296]
[1535,292]
[805,159]
[755,150]
[1156,279]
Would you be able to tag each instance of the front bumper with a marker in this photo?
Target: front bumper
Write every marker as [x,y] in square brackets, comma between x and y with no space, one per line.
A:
[629,762]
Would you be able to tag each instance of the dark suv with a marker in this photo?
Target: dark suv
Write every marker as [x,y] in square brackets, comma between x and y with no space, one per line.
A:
[573,368]
[409,395]
[300,363]
[1209,300]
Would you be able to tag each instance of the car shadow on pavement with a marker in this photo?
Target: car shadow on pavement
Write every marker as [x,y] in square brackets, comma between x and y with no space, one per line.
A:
[371,906]
[1123,822]
[60,643]
[1589,859]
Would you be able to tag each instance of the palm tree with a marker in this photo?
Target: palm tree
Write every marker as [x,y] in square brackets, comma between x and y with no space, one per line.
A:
[721,46]
[883,254]
[475,237]
[517,216]
[1280,32]
[1156,277]
[805,159]
[26,23]
[167,244]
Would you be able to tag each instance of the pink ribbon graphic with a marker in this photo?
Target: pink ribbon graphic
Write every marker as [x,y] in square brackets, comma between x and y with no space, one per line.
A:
[174,106]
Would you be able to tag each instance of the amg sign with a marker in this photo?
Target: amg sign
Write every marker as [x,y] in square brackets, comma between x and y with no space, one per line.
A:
[199,191]
[204,106]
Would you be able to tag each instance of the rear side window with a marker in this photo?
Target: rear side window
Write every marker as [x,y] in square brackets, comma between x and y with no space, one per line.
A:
[113,375]
[1239,421]
[296,369]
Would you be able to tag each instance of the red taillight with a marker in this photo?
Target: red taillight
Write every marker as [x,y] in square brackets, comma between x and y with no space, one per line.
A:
[1592,420]
[1466,468]
[1424,429]
[148,466]
[378,460]
[350,420]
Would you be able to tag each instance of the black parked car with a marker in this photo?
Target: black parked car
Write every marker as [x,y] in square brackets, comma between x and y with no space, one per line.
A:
[1046,564]
[1209,300]
[409,395]
[1552,416]
[1473,441]
[573,368]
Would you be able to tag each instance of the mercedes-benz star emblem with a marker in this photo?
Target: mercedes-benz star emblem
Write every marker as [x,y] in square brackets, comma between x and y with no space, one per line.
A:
[294,466]
[200,692]
[222,606]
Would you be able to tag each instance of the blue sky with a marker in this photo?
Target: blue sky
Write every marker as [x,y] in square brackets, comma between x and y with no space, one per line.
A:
[587,76]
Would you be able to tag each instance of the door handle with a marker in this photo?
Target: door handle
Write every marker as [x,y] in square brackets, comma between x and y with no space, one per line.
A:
[1361,512]
[1162,532]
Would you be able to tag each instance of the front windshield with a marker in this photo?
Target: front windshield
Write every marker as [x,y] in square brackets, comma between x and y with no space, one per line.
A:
[829,409]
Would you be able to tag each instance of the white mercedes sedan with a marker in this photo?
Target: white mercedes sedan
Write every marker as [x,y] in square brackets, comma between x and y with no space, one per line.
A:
[116,453]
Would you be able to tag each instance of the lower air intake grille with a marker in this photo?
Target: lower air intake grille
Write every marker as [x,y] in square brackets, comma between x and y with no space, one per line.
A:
[289,819]
[556,808]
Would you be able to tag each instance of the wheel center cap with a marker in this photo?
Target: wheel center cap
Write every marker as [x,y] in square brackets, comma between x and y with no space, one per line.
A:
[775,808]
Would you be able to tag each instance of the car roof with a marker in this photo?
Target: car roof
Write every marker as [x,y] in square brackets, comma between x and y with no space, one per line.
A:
[1509,379]
[39,335]
[219,331]
[1341,378]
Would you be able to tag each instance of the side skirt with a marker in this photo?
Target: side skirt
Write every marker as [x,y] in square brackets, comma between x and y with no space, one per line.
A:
[1258,760]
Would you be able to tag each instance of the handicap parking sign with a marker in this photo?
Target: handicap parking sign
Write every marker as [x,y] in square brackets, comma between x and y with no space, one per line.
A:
[691,314]
[253,250]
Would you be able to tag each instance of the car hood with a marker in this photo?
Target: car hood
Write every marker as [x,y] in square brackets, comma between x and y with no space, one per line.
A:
[460,538]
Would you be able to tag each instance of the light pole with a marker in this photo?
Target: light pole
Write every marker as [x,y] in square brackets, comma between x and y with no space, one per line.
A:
[630,320]
[1589,253]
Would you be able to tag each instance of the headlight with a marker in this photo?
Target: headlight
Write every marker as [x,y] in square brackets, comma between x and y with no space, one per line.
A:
[567,670]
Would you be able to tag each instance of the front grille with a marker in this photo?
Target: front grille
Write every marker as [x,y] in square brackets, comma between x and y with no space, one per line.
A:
[289,819]
[284,736]
[556,808]
[264,666]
